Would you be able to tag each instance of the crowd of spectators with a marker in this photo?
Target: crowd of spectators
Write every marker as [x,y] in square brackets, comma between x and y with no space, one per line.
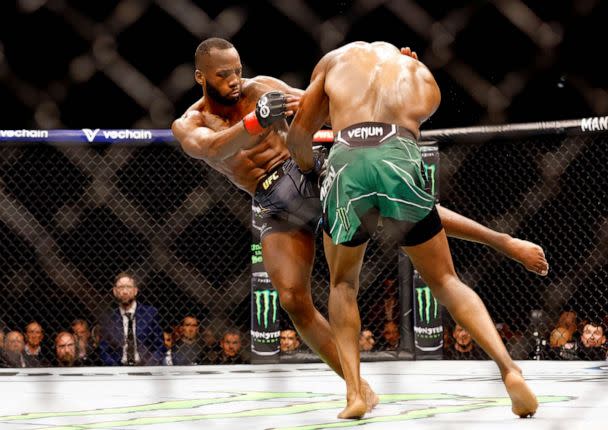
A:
[130,334]
[568,338]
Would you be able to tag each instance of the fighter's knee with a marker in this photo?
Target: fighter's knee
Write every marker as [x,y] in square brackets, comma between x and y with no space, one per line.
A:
[443,286]
[344,285]
[295,302]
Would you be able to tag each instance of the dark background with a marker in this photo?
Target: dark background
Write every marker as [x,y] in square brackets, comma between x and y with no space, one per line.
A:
[113,64]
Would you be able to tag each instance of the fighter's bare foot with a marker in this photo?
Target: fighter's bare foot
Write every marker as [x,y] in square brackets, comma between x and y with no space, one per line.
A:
[371,398]
[354,409]
[523,401]
[529,254]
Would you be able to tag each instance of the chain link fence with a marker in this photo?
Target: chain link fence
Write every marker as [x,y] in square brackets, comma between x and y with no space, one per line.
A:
[73,216]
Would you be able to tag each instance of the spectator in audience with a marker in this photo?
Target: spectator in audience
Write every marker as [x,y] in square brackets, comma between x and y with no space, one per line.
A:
[568,321]
[380,303]
[87,353]
[33,352]
[14,345]
[464,348]
[559,337]
[211,347]
[366,340]
[66,354]
[593,342]
[290,343]
[131,333]
[96,336]
[189,348]
[561,346]
[390,337]
[168,342]
[231,352]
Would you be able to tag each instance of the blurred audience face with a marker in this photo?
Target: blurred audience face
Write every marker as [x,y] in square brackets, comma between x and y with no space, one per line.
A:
[125,291]
[95,335]
[82,333]
[462,337]
[289,341]
[592,336]
[189,329]
[559,337]
[65,348]
[14,342]
[366,340]
[391,333]
[81,330]
[567,320]
[34,334]
[209,337]
[231,344]
[168,339]
[1,340]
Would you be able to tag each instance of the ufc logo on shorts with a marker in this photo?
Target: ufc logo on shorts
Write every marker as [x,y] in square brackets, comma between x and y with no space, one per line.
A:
[269,180]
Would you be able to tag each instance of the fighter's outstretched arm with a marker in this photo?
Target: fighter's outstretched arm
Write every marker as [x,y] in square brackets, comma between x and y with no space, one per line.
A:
[193,131]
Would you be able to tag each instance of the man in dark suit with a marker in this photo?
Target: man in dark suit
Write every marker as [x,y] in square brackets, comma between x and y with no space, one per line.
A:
[131,333]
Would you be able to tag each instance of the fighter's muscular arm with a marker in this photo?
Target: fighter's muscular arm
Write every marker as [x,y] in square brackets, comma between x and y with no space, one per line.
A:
[292,95]
[197,138]
[313,112]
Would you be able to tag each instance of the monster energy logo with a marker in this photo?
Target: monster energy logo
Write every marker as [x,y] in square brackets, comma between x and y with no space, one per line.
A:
[426,301]
[262,306]
[429,172]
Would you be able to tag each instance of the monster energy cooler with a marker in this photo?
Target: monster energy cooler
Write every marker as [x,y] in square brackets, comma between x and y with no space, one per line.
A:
[265,328]
[428,324]
[420,308]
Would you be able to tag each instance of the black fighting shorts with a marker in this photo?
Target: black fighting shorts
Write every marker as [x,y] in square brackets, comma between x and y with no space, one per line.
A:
[285,199]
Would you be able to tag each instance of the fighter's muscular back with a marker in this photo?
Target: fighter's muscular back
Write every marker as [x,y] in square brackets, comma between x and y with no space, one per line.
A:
[218,137]
[374,82]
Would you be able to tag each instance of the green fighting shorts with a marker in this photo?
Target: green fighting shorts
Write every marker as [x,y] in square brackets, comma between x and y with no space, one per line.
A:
[374,170]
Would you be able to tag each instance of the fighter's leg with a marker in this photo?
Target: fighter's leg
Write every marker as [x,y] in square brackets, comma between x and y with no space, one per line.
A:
[288,258]
[433,261]
[344,269]
[529,254]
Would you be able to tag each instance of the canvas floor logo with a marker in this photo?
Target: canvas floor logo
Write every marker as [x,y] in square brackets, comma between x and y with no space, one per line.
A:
[248,407]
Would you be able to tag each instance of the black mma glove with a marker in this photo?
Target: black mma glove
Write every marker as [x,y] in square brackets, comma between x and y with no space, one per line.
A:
[269,108]
[319,168]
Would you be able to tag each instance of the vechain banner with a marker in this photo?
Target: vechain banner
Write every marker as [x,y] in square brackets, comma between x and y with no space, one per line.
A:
[265,324]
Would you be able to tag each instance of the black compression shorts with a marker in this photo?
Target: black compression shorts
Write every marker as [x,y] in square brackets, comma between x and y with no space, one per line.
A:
[286,199]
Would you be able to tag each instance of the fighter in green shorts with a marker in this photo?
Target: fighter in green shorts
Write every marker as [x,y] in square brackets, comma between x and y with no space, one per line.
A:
[374,169]
[375,172]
